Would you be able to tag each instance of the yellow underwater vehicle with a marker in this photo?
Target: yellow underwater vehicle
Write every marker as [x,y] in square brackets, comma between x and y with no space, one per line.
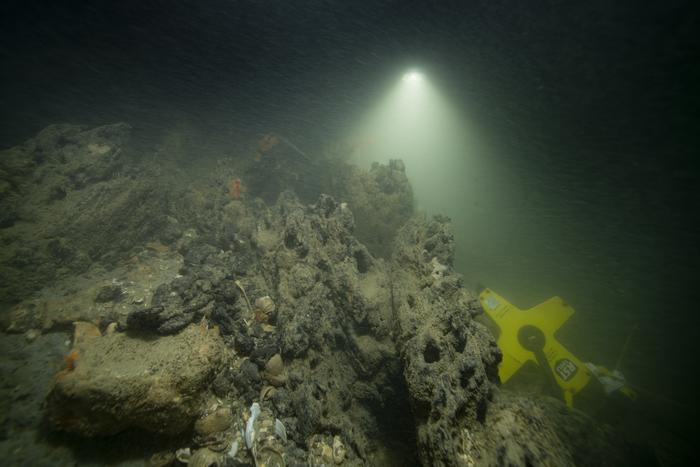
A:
[529,336]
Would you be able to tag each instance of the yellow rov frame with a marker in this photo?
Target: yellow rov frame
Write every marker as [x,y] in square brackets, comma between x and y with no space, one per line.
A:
[528,335]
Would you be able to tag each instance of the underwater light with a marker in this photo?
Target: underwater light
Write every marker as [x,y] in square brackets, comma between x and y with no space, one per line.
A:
[413,77]
[415,122]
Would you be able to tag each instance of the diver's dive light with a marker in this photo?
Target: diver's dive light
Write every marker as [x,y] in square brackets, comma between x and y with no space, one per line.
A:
[413,77]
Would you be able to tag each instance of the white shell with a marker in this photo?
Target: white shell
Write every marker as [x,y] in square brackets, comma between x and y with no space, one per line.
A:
[249,431]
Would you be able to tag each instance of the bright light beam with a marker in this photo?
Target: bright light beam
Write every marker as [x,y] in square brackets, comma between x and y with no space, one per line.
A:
[415,122]
[413,77]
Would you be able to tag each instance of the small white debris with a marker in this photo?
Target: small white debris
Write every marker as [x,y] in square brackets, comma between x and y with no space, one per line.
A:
[280,430]
[183,455]
[234,450]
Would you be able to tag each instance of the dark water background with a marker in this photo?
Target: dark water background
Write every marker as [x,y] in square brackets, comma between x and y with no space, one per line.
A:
[590,111]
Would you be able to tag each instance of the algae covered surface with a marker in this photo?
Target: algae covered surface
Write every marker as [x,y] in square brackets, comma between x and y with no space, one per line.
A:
[368,357]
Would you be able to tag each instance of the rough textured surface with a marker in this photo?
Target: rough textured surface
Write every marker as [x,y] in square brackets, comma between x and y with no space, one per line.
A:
[382,201]
[118,382]
[98,296]
[332,326]
[543,431]
[450,368]
[450,360]
[69,197]
[381,198]
[382,361]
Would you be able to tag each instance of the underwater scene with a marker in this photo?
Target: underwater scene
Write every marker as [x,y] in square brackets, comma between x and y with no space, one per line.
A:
[349,233]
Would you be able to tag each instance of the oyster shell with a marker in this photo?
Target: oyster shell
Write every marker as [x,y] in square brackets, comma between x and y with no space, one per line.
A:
[274,371]
[275,365]
[267,438]
[339,450]
[161,459]
[205,457]
[266,392]
[320,451]
[265,304]
[264,309]
[214,422]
